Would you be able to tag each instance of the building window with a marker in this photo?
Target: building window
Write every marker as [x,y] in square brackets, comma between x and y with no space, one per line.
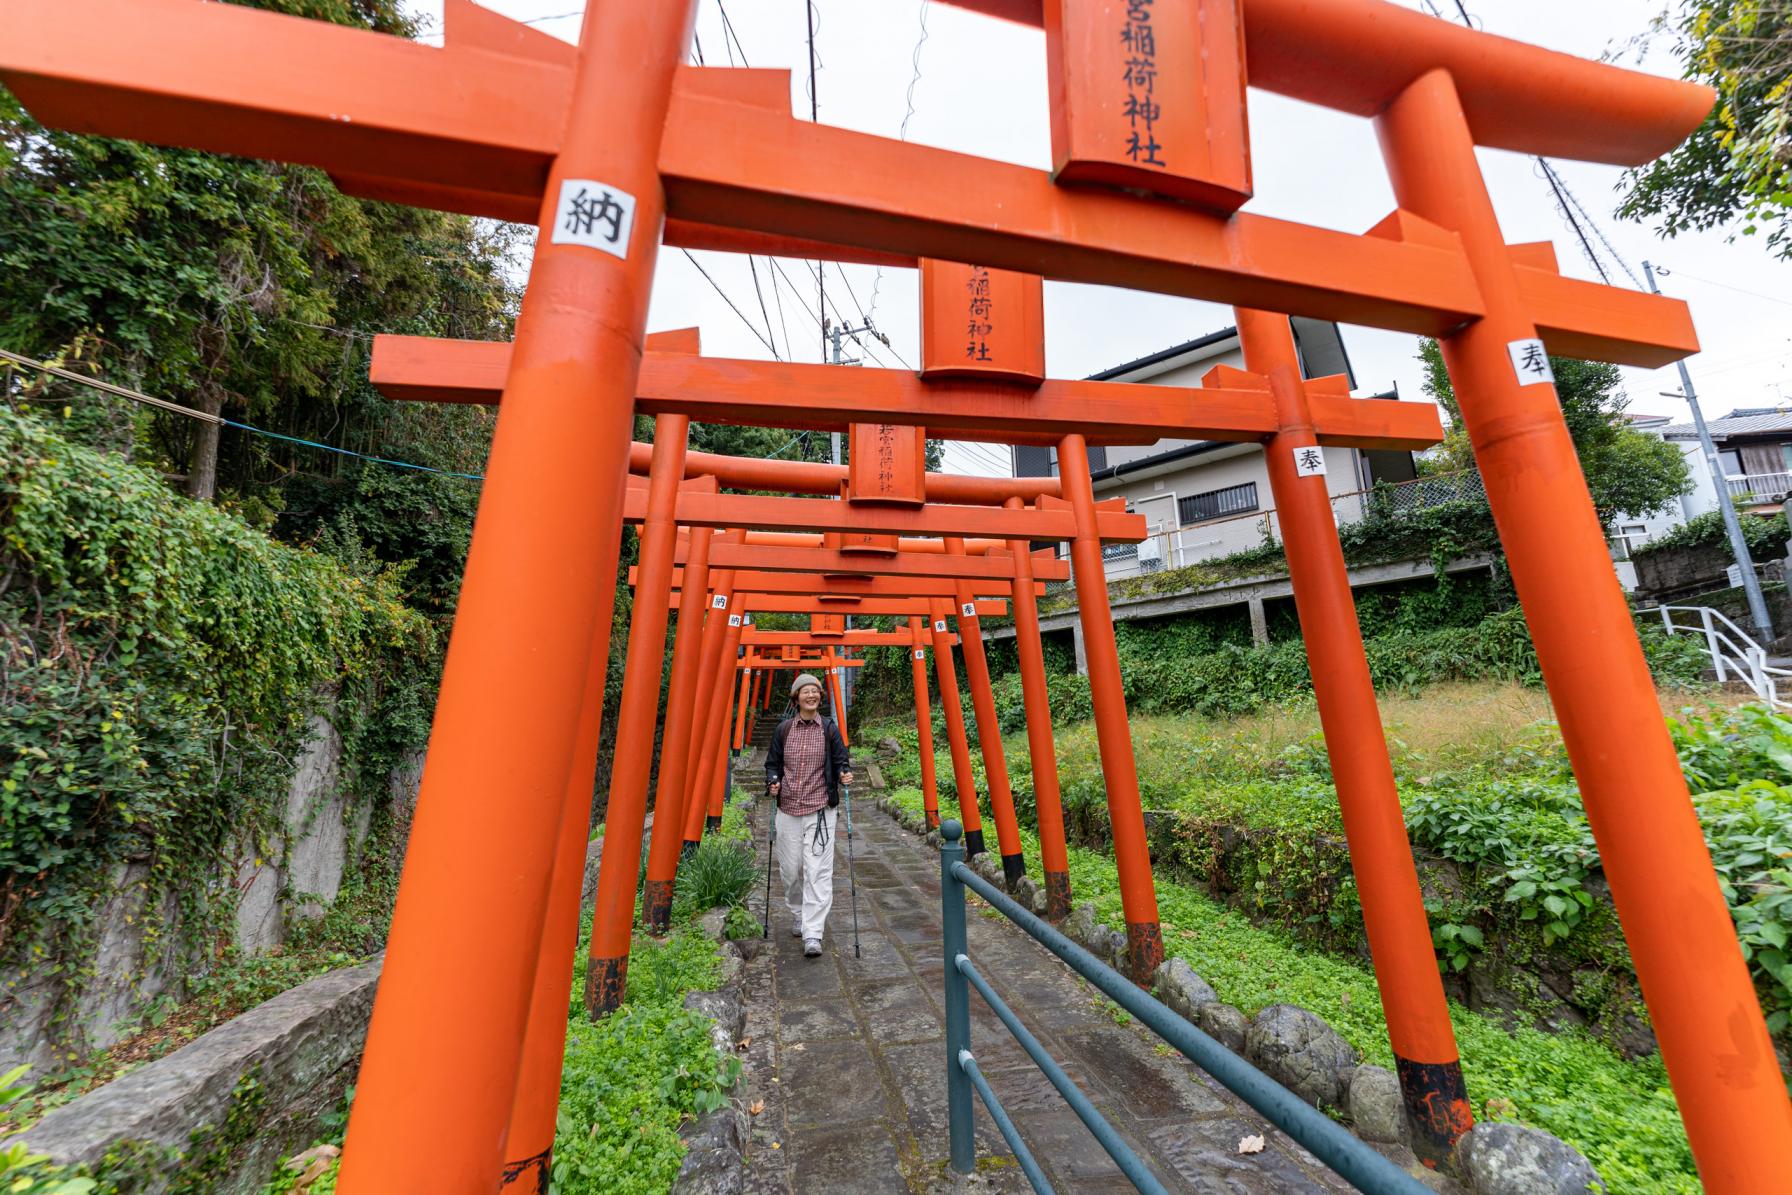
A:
[1730,461]
[1217,504]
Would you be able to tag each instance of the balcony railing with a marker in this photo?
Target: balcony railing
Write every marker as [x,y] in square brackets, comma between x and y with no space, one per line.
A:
[1760,487]
[1173,547]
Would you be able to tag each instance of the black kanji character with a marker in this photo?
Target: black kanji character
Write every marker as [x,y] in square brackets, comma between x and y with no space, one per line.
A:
[587,213]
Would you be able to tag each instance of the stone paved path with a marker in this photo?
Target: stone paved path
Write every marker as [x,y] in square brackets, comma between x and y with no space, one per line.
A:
[848,1056]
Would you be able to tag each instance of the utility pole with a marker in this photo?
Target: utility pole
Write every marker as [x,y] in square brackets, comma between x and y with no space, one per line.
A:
[837,336]
[1751,585]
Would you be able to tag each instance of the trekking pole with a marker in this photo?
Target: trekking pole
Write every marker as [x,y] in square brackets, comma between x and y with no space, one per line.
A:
[852,878]
[771,857]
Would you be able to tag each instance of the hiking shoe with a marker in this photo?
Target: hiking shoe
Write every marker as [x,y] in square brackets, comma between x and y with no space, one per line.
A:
[796,929]
[812,948]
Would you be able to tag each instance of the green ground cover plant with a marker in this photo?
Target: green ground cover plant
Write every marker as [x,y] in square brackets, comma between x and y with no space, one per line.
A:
[1254,817]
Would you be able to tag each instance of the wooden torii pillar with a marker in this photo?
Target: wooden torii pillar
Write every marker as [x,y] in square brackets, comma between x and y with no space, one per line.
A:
[603,142]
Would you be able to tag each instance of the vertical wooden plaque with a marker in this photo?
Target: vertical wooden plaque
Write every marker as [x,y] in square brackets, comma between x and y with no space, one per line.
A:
[981,323]
[1150,95]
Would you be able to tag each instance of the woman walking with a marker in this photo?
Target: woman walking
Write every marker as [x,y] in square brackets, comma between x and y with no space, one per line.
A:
[804,768]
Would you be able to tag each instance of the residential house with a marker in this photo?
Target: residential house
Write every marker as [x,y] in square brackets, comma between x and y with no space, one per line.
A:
[1206,498]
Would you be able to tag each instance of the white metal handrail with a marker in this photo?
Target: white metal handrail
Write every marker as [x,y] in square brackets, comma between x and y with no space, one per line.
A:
[1760,486]
[1732,651]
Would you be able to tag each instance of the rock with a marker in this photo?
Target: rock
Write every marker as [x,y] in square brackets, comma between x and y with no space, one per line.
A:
[1375,1106]
[726,1010]
[712,923]
[989,867]
[1224,1024]
[1509,1159]
[714,1151]
[889,747]
[1177,985]
[301,1047]
[874,776]
[594,854]
[1300,1051]
[1082,928]
[1023,892]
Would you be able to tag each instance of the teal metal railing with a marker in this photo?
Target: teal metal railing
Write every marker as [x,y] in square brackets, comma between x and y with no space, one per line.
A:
[1360,1165]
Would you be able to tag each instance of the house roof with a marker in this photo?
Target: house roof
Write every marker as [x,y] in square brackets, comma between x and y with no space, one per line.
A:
[1163,356]
[1732,426]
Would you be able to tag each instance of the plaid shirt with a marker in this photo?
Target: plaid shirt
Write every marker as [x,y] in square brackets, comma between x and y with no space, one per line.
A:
[805,786]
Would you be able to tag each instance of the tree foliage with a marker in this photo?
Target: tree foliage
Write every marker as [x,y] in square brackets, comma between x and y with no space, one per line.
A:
[241,287]
[1627,472]
[1737,167]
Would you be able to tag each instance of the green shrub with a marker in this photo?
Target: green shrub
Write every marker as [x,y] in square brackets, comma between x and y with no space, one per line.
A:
[719,874]
[630,1081]
[1765,534]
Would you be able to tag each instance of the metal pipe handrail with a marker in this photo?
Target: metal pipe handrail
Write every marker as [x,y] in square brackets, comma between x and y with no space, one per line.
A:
[1129,1162]
[1731,649]
[1355,1161]
[967,1062]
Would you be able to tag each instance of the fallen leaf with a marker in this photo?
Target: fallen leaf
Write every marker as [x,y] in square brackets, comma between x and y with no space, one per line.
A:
[743,1043]
[756,1107]
[1250,1145]
[775,1145]
[797,1047]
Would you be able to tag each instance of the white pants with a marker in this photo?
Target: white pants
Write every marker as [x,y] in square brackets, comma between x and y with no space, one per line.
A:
[807,871]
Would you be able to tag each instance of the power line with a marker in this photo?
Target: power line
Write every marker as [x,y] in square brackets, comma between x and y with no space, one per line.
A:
[137,396]
[737,311]
[760,295]
[1566,201]
[865,319]
[1726,286]
[877,280]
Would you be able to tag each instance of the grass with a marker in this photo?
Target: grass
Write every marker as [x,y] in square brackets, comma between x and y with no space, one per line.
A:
[1485,781]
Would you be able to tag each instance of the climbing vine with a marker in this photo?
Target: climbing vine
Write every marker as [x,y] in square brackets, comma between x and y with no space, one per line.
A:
[160,663]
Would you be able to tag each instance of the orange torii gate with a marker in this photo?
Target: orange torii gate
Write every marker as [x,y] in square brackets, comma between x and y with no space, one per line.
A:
[661,506]
[963,593]
[914,638]
[602,143]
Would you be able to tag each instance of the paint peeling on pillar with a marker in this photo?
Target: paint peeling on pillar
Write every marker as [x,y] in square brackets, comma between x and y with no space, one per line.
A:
[656,906]
[1436,1106]
[1057,895]
[528,1176]
[604,984]
[1144,951]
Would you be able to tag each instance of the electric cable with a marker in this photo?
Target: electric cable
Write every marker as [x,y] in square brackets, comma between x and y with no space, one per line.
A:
[908,99]
[737,311]
[163,404]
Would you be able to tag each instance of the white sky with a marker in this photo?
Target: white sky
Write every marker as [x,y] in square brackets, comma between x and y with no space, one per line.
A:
[982,90]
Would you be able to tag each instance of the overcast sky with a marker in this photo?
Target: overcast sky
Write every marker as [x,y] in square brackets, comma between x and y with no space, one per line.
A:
[981,90]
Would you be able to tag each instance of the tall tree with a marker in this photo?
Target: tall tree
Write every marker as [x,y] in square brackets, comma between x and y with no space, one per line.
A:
[236,287]
[1737,167]
[1627,471]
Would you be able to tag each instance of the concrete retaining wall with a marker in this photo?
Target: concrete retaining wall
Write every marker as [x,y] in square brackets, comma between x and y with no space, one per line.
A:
[136,962]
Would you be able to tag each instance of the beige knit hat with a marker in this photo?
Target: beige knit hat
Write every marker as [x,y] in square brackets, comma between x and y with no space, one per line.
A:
[803,678]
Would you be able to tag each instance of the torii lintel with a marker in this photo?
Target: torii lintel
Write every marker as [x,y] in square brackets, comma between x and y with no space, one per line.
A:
[468,125]
[789,394]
